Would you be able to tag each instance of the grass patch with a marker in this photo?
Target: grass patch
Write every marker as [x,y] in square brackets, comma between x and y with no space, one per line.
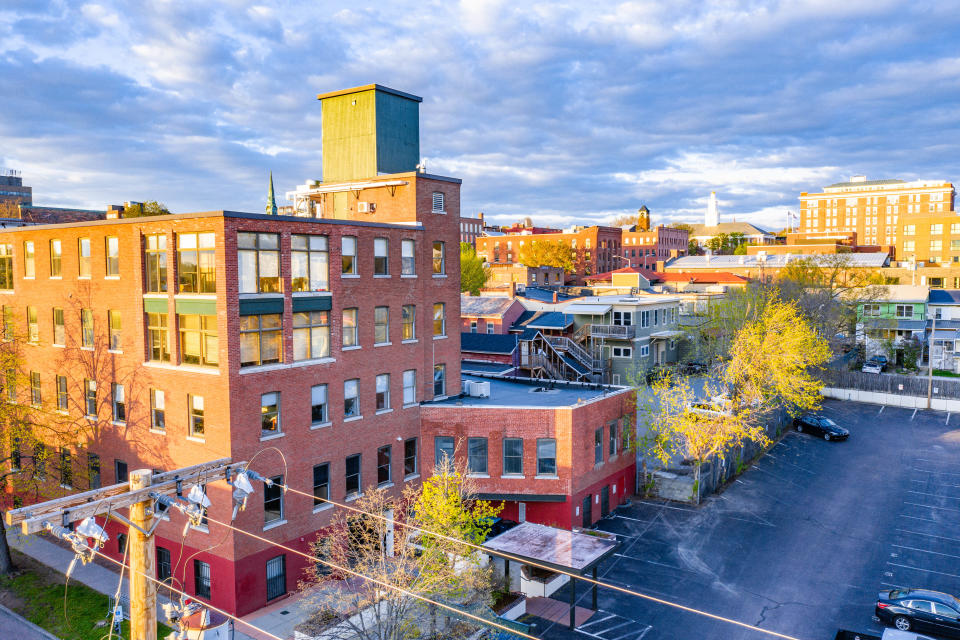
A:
[945,373]
[36,593]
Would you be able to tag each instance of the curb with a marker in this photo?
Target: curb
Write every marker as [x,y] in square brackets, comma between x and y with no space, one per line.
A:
[43,633]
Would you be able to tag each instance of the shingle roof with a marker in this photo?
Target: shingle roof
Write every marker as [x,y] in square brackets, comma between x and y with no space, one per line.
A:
[550,320]
[488,343]
[522,319]
[944,296]
[484,305]
[745,228]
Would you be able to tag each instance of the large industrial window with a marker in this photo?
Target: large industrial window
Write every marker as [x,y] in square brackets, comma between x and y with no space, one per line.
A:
[155,263]
[258,255]
[513,456]
[311,335]
[196,262]
[198,340]
[309,263]
[158,338]
[260,339]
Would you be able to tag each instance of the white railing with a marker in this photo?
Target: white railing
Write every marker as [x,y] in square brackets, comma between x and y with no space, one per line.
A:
[612,331]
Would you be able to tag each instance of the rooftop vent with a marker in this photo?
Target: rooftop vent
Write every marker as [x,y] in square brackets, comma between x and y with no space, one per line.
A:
[858,178]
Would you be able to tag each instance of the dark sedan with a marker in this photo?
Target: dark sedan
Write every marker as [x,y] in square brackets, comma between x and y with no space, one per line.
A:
[920,610]
[820,426]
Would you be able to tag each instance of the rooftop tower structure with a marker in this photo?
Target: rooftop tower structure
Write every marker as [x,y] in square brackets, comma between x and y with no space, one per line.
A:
[712,217]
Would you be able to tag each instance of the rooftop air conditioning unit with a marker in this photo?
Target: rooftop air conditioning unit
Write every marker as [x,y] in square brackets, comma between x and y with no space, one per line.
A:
[366,207]
[466,386]
[480,389]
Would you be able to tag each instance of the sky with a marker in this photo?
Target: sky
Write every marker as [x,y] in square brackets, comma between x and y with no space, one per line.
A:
[570,113]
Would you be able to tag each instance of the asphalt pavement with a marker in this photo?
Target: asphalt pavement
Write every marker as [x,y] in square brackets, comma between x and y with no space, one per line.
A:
[799,544]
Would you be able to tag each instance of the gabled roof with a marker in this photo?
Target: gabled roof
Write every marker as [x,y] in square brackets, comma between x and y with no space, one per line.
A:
[484,305]
[488,343]
[522,319]
[550,320]
[944,296]
[745,228]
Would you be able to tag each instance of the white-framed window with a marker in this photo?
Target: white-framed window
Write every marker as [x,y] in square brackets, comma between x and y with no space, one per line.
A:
[311,335]
[351,398]
[381,257]
[622,318]
[195,403]
[409,386]
[269,413]
[318,404]
[904,310]
[158,421]
[408,262]
[349,327]
[644,350]
[490,327]
[439,261]
[438,204]
[381,325]
[409,325]
[348,255]
[383,391]
[119,404]
[258,259]
[622,352]
[309,263]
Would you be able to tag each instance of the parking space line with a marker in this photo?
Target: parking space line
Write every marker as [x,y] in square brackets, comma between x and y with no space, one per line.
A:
[906,566]
[623,624]
[918,518]
[947,421]
[617,515]
[930,506]
[882,407]
[935,495]
[900,546]
[665,506]
[929,535]
[587,624]
[941,484]
[914,414]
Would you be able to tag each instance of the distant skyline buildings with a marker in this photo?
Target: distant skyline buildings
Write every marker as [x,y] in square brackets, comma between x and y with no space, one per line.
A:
[573,113]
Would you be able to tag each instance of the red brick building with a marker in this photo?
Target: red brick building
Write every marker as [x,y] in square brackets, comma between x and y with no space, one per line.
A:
[306,342]
[645,248]
[555,456]
[488,314]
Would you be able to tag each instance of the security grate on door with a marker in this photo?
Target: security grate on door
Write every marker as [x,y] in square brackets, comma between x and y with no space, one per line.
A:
[276,577]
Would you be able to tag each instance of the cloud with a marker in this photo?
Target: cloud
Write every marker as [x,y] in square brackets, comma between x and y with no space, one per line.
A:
[561,111]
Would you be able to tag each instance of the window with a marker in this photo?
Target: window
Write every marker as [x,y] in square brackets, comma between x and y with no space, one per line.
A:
[6,266]
[90,397]
[349,327]
[258,256]
[62,397]
[442,450]
[120,471]
[348,255]
[473,326]
[260,338]
[86,328]
[439,266]
[381,257]
[84,257]
[56,259]
[477,455]
[409,387]
[29,260]
[33,329]
[490,327]
[409,330]
[904,310]
[439,319]
[66,469]
[119,403]
[381,325]
[158,409]
[196,262]
[546,457]
[8,327]
[269,413]
[273,500]
[195,418]
[353,475]
[198,340]
[944,610]
[93,470]
[59,333]
[644,318]
[383,465]
[598,445]
[936,245]
[644,350]
[909,229]
[40,460]
[409,457]
[438,202]
[155,263]
[158,338]
[408,263]
[439,380]
[613,439]
[309,263]
[909,245]
[112,256]
[622,352]
[955,245]
[11,382]
[622,318]
[36,397]
[318,404]
[513,456]
[936,229]
[383,391]
[321,483]
[201,579]
[114,327]
[164,567]
[351,399]
[311,335]
[15,454]
[276,577]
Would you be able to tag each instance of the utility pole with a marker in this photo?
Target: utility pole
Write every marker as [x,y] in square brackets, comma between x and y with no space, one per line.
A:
[139,494]
[933,333]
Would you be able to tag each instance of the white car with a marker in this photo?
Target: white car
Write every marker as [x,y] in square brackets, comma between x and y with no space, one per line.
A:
[872,367]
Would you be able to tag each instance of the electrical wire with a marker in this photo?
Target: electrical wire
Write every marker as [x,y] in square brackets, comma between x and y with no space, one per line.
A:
[116,597]
[528,562]
[184,593]
[386,585]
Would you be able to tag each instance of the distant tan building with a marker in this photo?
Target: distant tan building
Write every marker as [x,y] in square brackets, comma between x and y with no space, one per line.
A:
[521,274]
[916,218]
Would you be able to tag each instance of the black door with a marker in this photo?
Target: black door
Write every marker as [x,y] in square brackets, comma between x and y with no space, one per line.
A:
[276,577]
[587,511]
[605,501]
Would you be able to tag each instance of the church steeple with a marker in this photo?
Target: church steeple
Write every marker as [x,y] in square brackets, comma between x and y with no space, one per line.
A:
[271,200]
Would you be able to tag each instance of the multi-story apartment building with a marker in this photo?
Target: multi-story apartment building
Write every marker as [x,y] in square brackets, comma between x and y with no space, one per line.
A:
[12,188]
[645,248]
[887,213]
[471,228]
[304,343]
[595,249]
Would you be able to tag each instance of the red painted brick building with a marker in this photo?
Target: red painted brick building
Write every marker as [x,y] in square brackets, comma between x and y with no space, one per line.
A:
[555,456]
[645,248]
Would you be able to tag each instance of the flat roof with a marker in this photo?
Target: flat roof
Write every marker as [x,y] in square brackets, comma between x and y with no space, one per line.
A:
[369,87]
[522,392]
[553,547]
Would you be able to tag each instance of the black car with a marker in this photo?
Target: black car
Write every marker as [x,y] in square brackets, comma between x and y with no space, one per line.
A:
[920,610]
[820,426]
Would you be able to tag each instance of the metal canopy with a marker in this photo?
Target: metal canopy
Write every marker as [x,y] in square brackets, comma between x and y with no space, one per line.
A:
[556,548]
[588,309]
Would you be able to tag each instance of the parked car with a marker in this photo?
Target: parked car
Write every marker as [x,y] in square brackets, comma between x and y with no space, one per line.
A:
[820,426]
[921,610]
[693,368]
[871,366]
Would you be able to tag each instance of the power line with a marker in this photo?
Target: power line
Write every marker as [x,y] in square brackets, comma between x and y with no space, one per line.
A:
[459,612]
[526,561]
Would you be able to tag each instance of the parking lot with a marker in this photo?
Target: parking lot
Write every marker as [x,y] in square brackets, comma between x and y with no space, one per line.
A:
[800,543]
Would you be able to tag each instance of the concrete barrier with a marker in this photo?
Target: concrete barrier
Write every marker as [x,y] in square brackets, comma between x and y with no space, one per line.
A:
[891,399]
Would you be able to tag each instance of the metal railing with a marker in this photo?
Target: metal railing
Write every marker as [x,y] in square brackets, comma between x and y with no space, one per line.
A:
[566,344]
[612,331]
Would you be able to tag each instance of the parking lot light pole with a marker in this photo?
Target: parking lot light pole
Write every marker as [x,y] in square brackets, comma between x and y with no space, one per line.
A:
[933,334]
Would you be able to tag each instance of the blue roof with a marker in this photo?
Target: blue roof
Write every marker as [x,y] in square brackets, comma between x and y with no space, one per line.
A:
[488,343]
[551,320]
[523,318]
[496,368]
[525,392]
[545,295]
[528,334]
[944,296]
[576,366]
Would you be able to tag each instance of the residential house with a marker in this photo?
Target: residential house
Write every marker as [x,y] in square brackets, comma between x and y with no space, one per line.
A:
[897,314]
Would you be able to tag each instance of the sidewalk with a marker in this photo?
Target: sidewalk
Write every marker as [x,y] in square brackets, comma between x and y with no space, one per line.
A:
[16,626]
